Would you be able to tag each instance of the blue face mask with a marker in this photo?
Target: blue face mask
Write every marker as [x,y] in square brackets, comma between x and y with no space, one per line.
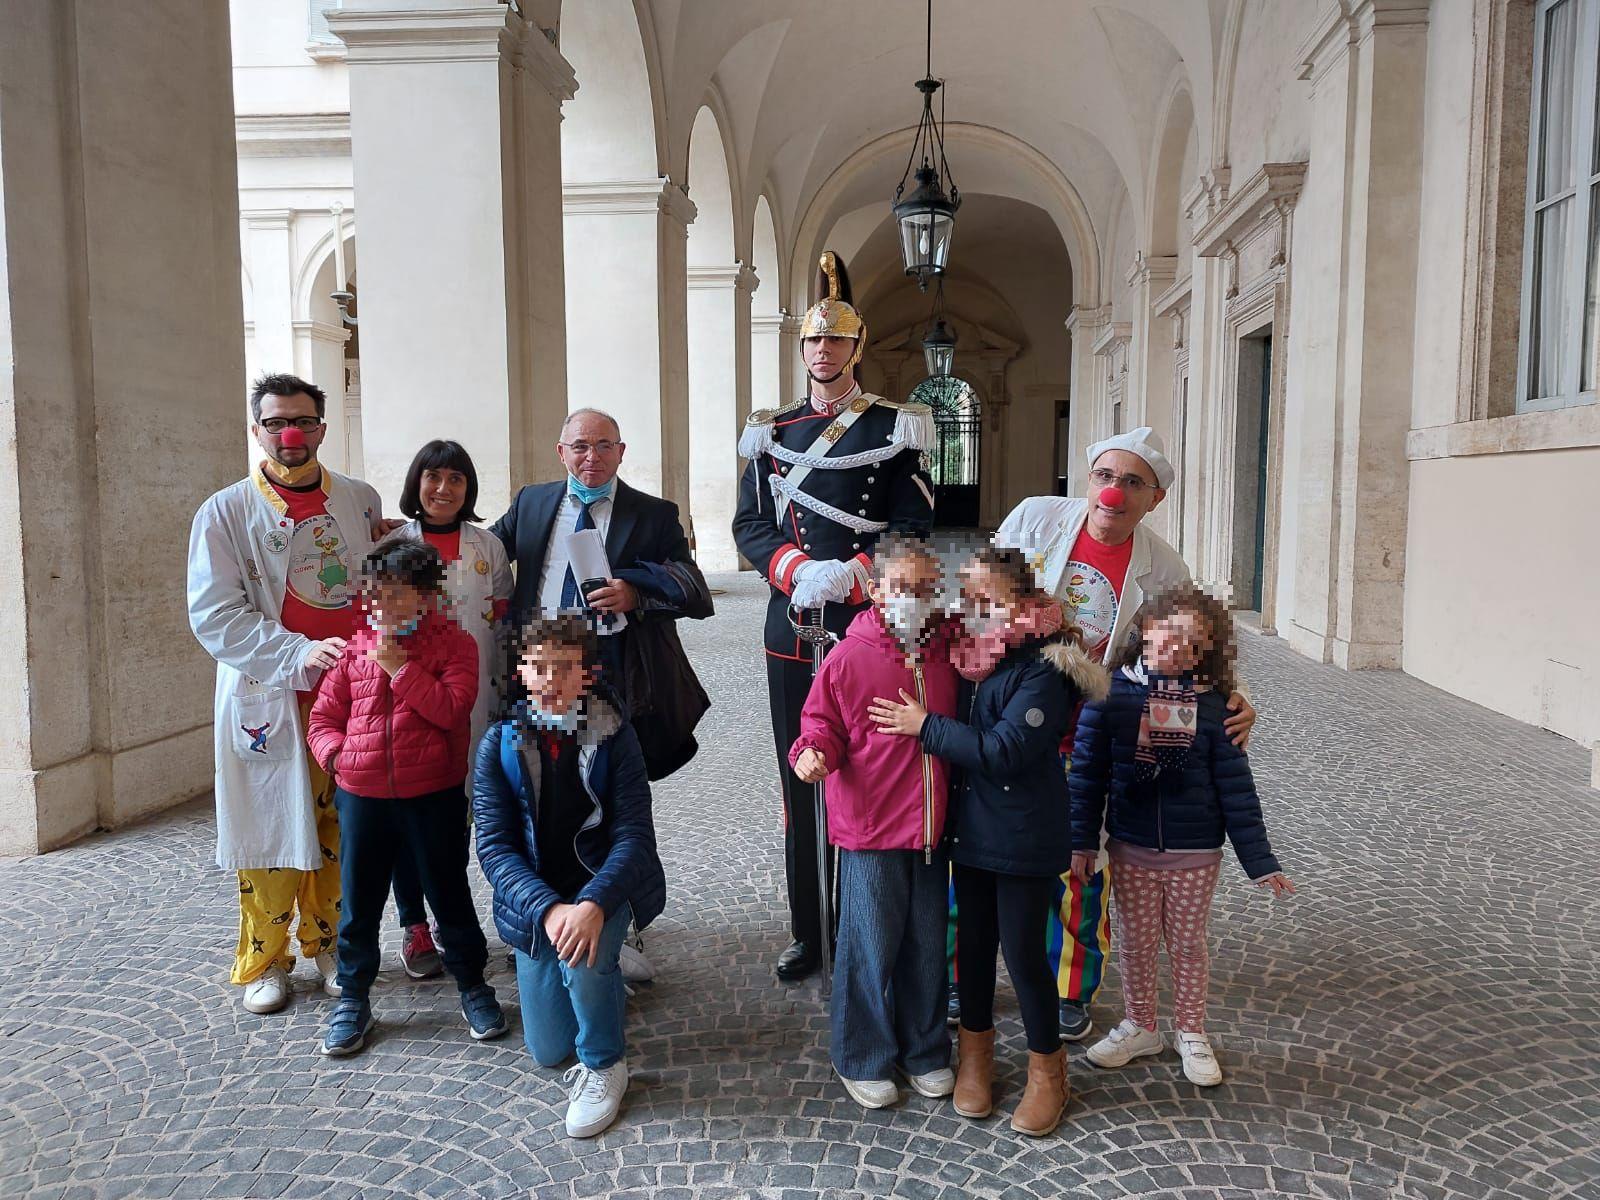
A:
[584,493]
[404,629]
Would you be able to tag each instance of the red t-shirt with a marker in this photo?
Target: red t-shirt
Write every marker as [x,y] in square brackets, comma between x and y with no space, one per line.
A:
[447,544]
[318,599]
[1093,588]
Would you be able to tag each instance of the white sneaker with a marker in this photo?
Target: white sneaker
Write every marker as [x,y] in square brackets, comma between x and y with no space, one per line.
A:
[1199,1060]
[269,992]
[935,1085]
[1126,1042]
[595,1099]
[874,1093]
[636,968]
[328,968]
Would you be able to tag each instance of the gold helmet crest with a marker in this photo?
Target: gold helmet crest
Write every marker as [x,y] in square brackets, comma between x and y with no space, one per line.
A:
[833,315]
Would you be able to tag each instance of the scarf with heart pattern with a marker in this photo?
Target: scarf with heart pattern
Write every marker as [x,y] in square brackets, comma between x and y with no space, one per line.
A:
[1166,728]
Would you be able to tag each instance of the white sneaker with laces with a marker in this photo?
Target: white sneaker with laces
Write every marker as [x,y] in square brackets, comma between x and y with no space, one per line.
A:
[1126,1042]
[935,1085]
[1199,1060]
[269,993]
[636,968]
[328,968]
[874,1093]
[595,1099]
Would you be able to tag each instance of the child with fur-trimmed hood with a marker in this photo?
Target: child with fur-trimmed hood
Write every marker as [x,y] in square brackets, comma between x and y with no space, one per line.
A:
[1010,818]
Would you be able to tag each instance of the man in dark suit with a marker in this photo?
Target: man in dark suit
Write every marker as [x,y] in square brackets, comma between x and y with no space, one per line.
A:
[653,574]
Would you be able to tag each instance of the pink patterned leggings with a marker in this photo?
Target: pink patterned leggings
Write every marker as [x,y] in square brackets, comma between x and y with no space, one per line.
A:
[1150,907]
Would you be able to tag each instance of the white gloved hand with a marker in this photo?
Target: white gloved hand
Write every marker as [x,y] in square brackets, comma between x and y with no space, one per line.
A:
[822,581]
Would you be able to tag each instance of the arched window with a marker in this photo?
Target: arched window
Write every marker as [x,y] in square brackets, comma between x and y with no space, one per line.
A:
[954,462]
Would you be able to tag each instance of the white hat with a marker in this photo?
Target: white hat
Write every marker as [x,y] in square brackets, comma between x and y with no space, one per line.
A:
[1146,443]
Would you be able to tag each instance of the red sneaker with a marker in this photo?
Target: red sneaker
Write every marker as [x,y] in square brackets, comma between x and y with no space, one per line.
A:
[418,955]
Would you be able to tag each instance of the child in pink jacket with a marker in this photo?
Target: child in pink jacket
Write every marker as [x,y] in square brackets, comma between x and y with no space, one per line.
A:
[886,807]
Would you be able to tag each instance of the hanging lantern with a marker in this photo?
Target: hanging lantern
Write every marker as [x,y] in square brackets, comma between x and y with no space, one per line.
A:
[927,214]
[939,348]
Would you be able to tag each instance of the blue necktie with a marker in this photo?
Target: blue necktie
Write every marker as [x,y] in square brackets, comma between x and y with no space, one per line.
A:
[571,597]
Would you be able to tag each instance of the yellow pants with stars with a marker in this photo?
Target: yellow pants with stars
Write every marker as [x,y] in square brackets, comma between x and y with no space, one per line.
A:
[269,896]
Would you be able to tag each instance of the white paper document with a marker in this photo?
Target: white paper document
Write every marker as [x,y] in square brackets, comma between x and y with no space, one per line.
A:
[586,551]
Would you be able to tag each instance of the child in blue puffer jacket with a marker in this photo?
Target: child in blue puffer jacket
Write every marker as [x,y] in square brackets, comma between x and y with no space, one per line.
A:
[1154,764]
[567,841]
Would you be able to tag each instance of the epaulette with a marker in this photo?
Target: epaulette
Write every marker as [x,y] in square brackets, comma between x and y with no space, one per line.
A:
[756,438]
[913,422]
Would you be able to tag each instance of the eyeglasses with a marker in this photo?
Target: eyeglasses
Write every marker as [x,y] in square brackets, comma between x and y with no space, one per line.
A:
[303,424]
[1131,484]
[604,448]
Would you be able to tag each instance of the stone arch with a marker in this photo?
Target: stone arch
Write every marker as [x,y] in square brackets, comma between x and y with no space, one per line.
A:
[719,288]
[1165,230]
[770,339]
[611,129]
[1032,177]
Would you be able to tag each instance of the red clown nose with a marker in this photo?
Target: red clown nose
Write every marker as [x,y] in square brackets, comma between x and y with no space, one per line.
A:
[292,439]
[1112,497]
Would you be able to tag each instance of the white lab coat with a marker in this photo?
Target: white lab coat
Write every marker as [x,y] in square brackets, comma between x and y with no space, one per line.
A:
[1047,526]
[238,566]
[481,576]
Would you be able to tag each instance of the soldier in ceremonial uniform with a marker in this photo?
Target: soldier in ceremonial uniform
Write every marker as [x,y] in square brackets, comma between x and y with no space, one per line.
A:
[826,476]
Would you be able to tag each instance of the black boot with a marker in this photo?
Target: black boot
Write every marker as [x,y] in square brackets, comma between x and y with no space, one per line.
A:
[798,961]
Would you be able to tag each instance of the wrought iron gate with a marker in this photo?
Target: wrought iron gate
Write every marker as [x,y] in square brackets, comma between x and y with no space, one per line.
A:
[954,462]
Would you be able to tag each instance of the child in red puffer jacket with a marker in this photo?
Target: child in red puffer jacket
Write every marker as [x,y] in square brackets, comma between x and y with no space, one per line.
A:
[886,809]
[391,724]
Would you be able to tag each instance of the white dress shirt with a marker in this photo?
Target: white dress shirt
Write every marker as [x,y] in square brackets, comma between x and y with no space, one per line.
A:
[553,575]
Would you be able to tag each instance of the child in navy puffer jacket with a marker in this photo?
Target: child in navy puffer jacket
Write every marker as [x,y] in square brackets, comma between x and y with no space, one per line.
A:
[1153,762]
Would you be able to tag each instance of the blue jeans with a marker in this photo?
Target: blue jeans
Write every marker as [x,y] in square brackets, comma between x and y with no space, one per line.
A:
[566,1008]
[889,990]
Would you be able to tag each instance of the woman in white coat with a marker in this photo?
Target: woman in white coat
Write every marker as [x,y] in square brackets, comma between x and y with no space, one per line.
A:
[439,495]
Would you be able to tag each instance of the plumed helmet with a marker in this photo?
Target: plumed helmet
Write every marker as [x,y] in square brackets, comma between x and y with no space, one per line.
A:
[833,315]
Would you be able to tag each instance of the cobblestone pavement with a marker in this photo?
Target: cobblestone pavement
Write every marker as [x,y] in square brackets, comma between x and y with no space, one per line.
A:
[1420,1021]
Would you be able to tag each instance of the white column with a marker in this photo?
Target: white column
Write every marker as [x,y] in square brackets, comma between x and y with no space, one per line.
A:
[767,383]
[1150,400]
[455,140]
[121,356]
[719,401]
[1367,75]
[791,367]
[627,334]
[319,357]
[271,257]
[1084,326]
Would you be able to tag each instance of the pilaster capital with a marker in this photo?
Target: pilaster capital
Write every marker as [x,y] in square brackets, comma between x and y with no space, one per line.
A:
[1330,40]
[267,218]
[321,331]
[628,197]
[718,277]
[747,281]
[1087,321]
[1113,337]
[767,323]
[1158,270]
[532,50]
[789,324]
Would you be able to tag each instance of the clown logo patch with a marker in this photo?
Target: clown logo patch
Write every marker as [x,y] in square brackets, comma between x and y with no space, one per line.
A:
[275,540]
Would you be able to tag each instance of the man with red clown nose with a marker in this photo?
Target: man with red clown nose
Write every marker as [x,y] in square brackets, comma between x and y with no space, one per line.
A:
[272,566]
[1095,555]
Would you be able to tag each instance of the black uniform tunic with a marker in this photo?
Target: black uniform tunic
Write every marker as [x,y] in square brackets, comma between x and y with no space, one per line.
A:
[896,490]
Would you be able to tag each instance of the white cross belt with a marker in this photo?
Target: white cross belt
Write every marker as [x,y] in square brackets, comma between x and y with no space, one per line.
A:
[782,487]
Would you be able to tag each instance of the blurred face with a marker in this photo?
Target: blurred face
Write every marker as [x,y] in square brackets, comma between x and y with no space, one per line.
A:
[825,357]
[1177,643]
[906,591]
[555,676]
[442,494]
[1122,489]
[987,598]
[289,429]
[591,449]
[395,607]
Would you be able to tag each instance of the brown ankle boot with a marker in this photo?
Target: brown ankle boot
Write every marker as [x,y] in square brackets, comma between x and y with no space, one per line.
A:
[974,1096]
[1045,1097]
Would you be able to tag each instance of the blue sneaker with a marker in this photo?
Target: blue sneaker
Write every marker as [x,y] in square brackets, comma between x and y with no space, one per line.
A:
[347,1028]
[482,1010]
